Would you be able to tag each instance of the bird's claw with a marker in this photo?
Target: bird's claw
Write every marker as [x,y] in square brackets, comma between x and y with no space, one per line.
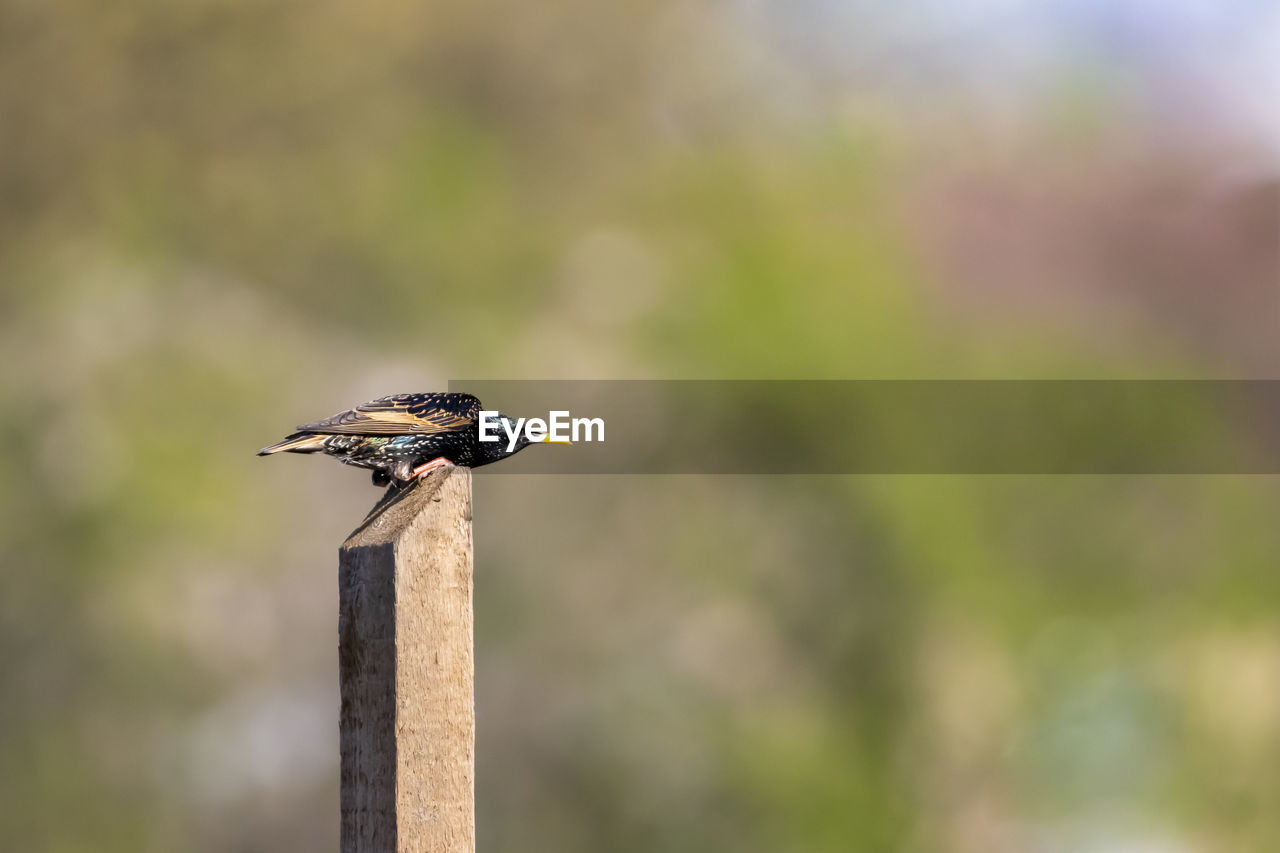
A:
[421,472]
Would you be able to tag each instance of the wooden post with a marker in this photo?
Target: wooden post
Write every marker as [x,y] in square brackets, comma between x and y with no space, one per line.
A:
[406,665]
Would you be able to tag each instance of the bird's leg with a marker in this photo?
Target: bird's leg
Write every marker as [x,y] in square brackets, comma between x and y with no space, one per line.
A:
[426,468]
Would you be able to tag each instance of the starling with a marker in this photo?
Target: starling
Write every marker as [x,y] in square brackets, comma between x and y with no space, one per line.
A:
[405,436]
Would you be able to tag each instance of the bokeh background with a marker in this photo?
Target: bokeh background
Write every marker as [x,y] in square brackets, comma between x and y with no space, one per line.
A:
[219,219]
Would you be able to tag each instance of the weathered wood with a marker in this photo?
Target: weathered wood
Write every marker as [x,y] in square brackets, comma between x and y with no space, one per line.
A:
[406,665]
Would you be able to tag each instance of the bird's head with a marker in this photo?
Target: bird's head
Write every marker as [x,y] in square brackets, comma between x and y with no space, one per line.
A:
[512,426]
[505,426]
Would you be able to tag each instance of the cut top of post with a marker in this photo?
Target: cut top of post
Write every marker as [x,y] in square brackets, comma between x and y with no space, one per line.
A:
[397,510]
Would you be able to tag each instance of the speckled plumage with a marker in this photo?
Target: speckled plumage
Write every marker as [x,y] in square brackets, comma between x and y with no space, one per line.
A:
[397,436]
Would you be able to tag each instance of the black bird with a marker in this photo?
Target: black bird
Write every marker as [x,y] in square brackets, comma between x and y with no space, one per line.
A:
[406,436]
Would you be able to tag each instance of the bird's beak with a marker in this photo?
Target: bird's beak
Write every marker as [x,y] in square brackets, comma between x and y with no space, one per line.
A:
[548,440]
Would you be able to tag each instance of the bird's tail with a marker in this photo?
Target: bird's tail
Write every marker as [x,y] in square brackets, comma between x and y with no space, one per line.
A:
[299,442]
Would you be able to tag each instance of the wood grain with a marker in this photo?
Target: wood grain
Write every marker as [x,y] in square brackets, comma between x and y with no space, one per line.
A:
[406,664]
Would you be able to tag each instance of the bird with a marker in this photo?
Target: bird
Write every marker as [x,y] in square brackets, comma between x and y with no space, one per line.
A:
[404,437]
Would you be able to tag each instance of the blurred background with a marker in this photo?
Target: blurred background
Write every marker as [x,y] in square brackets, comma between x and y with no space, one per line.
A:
[220,219]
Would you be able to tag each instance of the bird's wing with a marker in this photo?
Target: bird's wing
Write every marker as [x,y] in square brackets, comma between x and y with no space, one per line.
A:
[402,414]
